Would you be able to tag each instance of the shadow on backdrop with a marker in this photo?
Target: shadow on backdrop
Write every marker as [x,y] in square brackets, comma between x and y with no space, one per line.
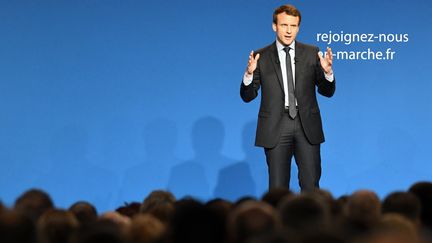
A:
[71,177]
[241,179]
[160,140]
[197,177]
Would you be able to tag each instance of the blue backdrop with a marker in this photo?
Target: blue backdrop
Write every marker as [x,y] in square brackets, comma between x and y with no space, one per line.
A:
[106,100]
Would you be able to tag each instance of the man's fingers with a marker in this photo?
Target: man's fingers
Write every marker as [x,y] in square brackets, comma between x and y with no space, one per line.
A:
[257,57]
[320,55]
[252,62]
[329,53]
[251,56]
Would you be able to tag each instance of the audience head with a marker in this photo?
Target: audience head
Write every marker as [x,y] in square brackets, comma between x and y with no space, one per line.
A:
[221,208]
[403,203]
[423,191]
[274,195]
[56,226]
[194,222]
[159,204]
[156,198]
[220,205]
[33,203]
[326,199]
[392,228]
[129,209]
[84,212]
[120,220]
[102,231]
[252,219]
[304,213]
[243,200]
[363,208]
[16,228]
[340,204]
[145,228]
[323,195]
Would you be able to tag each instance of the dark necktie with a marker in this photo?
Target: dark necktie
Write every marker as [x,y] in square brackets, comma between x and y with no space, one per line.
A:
[291,96]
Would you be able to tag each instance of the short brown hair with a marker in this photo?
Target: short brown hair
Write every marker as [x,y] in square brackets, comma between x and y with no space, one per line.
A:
[288,9]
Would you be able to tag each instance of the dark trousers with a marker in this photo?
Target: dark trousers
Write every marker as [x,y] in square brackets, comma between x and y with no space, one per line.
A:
[293,142]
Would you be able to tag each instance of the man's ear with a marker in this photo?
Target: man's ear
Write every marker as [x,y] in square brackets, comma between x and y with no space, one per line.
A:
[274,27]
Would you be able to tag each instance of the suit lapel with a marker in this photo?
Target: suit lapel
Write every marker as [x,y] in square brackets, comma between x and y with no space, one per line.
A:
[299,68]
[276,64]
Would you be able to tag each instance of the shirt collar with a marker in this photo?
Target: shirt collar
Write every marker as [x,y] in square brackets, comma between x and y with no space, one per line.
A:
[280,47]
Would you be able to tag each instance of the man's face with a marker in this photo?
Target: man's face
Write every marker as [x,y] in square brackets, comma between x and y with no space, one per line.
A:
[286,28]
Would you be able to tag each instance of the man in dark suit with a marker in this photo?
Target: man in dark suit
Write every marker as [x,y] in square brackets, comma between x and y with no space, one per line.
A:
[289,121]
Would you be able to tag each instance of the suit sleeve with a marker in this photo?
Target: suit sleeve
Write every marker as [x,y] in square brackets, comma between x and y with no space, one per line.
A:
[325,87]
[250,92]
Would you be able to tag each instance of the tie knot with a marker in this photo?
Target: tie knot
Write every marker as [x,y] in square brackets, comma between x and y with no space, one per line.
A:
[287,49]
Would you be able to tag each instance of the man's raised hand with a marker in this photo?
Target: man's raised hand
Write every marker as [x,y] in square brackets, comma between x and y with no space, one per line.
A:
[326,61]
[252,63]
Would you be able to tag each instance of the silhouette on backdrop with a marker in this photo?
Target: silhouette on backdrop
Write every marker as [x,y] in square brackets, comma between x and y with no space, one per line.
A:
[71,176]
[197,177]
[160,139]
[242,178]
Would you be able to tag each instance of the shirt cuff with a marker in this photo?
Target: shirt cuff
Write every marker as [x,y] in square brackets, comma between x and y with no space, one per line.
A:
[247,79]
[329,77]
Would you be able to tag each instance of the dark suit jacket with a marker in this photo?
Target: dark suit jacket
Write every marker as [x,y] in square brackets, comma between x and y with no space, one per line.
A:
[268,77]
